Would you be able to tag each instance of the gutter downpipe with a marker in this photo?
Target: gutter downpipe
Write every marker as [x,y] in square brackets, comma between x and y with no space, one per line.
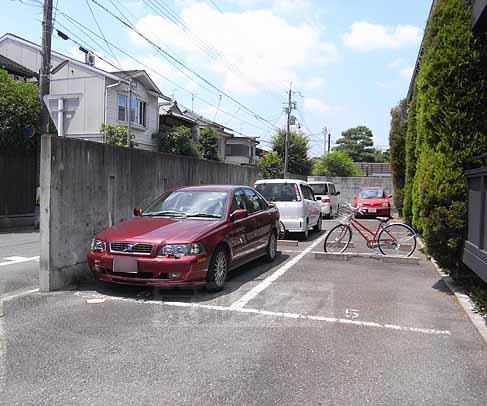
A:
[106,106]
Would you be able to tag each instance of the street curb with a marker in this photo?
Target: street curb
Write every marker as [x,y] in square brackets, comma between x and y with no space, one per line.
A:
[463,299]
[353,256]
[287,243]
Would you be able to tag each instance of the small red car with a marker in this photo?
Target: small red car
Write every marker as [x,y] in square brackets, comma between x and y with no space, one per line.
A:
[187,237]
[373,201]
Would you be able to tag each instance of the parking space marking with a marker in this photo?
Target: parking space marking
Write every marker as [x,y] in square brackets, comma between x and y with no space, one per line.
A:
[18,260]
[246,310]
[240,303]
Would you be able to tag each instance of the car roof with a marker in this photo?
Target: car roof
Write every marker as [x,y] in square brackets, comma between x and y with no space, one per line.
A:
[211,188]
[259,182]
[371,187]
[317,182]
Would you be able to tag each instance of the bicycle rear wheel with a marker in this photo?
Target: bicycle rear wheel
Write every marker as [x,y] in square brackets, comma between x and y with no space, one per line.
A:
[338,239]
[397,240]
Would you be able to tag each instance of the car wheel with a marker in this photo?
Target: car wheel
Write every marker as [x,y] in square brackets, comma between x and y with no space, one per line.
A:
[218,269]
[317,227]
[305,233]
[282,231]
[271,250]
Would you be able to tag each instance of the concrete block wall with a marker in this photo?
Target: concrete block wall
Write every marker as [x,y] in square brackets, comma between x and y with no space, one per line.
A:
[88,186]
[349,187]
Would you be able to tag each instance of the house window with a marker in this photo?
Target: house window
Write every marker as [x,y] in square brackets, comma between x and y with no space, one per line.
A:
[122,108]
[141,112]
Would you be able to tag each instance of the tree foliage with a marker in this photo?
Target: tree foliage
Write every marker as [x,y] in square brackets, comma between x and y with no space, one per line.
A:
[335,163]
[19,107]
[271,165]
[299,162]
[117,135]
[176,141]
[446,124]
[208,144]
[357,143]
[397,143]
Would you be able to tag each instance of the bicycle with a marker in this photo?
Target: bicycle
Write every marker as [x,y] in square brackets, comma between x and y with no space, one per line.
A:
[393,239]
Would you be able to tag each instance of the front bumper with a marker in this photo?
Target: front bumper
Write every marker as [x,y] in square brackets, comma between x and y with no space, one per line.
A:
[152,271]
[376,211]
[294,225]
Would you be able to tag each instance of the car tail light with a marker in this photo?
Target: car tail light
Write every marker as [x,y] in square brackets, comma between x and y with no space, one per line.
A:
[325,199]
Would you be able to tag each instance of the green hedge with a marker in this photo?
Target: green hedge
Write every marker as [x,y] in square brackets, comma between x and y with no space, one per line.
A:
[447,123]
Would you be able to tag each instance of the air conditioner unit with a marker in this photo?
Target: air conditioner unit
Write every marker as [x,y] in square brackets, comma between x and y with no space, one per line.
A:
[90,59]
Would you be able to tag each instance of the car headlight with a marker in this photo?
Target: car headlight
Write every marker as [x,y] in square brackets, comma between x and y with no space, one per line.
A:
[385,205]
[182,250]
[98,245]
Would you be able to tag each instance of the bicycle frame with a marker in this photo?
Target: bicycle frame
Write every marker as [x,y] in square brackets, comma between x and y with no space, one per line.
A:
[357,225]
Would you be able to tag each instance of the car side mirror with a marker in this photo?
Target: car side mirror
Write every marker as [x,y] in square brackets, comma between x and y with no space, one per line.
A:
[337,193]
[271,205]
[137,211]
[389,196]
[239,215]
[318,197]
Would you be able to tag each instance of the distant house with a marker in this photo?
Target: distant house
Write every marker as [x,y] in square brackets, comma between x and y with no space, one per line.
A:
[91,96]
[171,116]
[16,71]
[241,150]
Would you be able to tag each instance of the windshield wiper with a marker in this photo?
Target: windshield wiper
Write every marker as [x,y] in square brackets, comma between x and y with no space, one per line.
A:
[213,216]
[169,213]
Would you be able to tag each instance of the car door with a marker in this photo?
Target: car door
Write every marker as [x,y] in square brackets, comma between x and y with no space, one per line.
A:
[241,230]
[309,203]
[315,204]
[260,217]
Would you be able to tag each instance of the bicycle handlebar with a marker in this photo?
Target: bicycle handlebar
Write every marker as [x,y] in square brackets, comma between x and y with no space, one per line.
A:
[355,209]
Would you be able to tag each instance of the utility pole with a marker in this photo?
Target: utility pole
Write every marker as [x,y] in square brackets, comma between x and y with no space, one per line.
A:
[325,132]
[129,127]
[329,141]
[288,132]
[45,72]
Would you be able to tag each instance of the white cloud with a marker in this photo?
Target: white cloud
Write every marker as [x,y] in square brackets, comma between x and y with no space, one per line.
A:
[364,36]
[313,105]
[406,73]
[261,44]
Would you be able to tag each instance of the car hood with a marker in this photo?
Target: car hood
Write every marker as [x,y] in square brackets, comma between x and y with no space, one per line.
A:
[159,230]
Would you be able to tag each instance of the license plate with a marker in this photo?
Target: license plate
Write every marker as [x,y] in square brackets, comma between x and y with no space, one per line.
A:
[125,265]
[372,210]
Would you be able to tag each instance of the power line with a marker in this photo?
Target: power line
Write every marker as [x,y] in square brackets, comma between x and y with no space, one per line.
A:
[216,6]
[166,12]
[101,32]
[182,64]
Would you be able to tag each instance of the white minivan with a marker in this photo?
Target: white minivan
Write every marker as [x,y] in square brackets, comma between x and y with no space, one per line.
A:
[328,196]
[299,211]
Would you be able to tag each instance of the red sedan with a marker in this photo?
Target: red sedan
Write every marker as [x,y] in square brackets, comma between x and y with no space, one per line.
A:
[187,237]
[373,201]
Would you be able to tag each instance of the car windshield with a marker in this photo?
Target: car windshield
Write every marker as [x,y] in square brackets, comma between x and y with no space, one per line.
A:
[371,194]
[320,188]
[279,192]
[189,204]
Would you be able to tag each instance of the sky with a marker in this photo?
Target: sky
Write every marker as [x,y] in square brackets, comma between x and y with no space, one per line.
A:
[348,62]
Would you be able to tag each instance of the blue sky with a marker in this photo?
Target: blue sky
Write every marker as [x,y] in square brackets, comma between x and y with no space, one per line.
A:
[349,61]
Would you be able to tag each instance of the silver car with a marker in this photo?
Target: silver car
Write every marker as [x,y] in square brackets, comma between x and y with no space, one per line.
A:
[299,211]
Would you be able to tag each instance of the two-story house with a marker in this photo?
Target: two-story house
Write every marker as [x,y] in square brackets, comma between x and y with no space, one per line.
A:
[88,97]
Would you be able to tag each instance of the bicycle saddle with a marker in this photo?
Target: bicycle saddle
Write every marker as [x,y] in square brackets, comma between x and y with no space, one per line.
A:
[383,219]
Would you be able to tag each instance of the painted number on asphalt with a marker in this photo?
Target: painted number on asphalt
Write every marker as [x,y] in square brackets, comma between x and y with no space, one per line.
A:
[351,313]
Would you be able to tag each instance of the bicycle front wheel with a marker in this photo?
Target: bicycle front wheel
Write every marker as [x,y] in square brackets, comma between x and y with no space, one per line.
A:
[397,240]
[338,239]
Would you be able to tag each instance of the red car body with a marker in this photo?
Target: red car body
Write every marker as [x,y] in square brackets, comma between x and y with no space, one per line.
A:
[244,239]
[373,201]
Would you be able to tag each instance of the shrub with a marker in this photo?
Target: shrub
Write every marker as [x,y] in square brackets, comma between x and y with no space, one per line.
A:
[335,163]
[117,135]
[208,144]
[451,125]
[19,107]
[270,165]
[176,141]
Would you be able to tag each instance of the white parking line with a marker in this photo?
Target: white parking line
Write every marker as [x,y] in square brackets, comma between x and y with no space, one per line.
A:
[333,320]
[240,303]
[18,260]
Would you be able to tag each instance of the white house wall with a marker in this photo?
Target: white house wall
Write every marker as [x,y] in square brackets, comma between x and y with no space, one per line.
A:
[143,135]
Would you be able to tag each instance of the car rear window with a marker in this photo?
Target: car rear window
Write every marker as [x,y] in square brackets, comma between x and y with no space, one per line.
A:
[371,194]
[320,188]
[279,192]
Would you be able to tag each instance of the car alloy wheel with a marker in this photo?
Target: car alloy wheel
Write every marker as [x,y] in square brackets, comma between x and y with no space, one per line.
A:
[220,268]
[271,250]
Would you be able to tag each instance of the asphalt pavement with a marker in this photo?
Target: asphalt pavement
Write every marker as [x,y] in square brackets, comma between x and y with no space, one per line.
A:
[300,331]
[19,262]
